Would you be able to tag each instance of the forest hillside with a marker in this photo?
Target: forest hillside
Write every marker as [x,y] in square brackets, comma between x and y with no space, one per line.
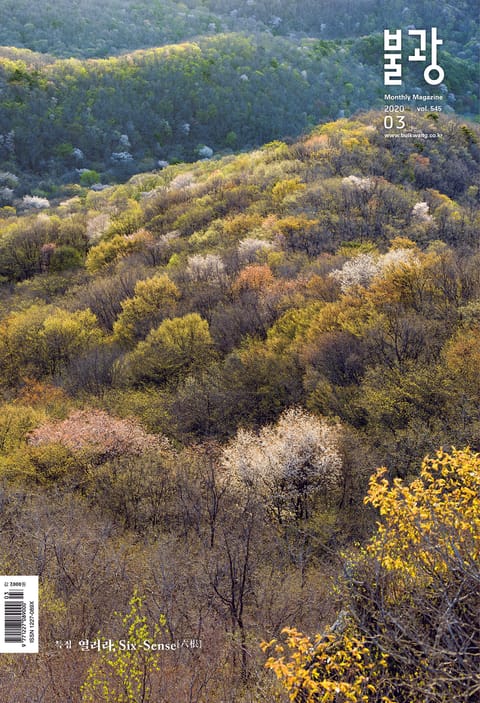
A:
[91,30]
[201,368]
[212,78]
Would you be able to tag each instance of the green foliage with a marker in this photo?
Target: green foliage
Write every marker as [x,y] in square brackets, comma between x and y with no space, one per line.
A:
[64,335]
[89,178]
[154,299]
[171,351]
[108,251]
[117,26]
[16,421]
[127,676]
[65,258]
[44,340]
[86,112]
[51,464]
[29,244]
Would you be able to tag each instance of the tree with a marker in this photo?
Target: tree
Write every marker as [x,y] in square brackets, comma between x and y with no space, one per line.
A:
[20,342]
[154,299]
[127,676]
[301,234]
[462,356]
[170,351]
[358,271]
[109,251]
[89,178]
[104,296]
[15,422]
[64,335]
[65,257]
[410,629]
[253,278]
[137,490]
[290,463]
[43,340]
[205,268]
[104,437]
[231,575]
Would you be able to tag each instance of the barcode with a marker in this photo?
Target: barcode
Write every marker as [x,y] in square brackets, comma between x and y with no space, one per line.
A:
[15,617]
[19,614]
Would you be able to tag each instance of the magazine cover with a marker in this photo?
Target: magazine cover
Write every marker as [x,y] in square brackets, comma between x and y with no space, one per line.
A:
[239,351]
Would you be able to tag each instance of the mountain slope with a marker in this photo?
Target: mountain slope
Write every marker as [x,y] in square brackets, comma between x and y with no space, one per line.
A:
[223,92]
[209,361]
[88,29]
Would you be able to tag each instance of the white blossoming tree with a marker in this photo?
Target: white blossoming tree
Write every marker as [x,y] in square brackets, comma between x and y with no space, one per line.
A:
[291,464]
[420,213]
[365,184]
[249,247]
[33,202]
[204,152]
[361,270]
[182,181]
[209,267]
[6,196]
[358,271]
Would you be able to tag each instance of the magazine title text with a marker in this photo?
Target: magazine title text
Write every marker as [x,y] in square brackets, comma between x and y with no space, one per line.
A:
[392,46]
